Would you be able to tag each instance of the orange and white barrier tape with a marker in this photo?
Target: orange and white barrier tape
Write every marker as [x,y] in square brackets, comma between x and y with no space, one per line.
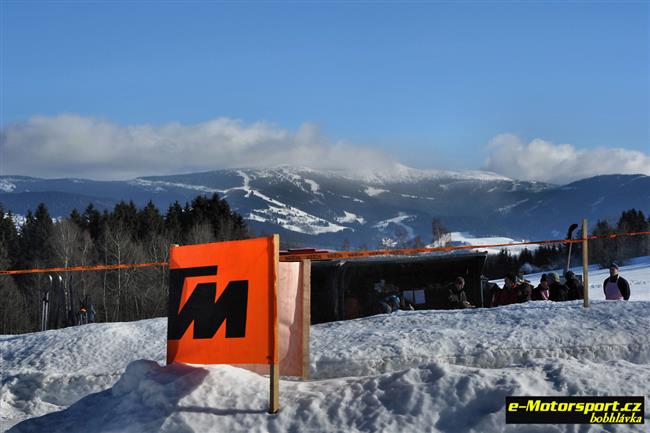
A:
[338,255]
[83,268]
[409,251]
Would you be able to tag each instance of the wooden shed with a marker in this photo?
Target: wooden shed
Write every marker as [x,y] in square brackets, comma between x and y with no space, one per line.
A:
[347,289]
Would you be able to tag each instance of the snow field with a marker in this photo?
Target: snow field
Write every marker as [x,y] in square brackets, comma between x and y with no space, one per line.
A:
[412,371]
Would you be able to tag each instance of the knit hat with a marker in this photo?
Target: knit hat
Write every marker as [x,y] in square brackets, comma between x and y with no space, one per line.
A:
[510,276]
[554,276]
[614,265]
[543,278]
[569,274]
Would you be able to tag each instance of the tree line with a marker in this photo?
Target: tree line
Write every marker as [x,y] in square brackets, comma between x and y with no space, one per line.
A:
[128,234]
[125,234]
[601,251]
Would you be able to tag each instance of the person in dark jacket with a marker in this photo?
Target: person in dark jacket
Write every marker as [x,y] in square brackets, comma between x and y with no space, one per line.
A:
[574,285]
[540,293]
[557,291]
[615,286]
[509,294]
[525,290]
[456,297]
[91,313]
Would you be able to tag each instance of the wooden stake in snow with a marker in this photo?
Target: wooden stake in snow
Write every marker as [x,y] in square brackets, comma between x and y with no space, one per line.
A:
[274,401]
[585,264]
[306,316]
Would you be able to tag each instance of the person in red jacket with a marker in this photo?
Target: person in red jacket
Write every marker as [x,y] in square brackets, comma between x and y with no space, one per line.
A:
[509,294]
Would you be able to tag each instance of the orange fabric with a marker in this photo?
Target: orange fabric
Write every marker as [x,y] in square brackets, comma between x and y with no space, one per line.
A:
[290,317]
[252,260]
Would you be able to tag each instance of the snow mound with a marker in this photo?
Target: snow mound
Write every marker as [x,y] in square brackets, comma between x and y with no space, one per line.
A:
[47,371]
[484,338]
[411,371]
[433,397]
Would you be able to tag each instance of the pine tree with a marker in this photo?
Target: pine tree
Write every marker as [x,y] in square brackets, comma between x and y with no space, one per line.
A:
[602,251]
[149,222]
[174,222]
[631,221]
[34,248]
[8,238]
[92,221]
[125,218]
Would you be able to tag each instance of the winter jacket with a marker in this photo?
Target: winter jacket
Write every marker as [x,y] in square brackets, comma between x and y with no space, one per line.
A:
[557,292]
[623,285]
[575,289]
[525,292]
[540,294]
[506,296]
[456,298]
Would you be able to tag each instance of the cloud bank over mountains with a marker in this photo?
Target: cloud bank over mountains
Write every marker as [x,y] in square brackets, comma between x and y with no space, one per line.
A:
[560,163]
[70,145]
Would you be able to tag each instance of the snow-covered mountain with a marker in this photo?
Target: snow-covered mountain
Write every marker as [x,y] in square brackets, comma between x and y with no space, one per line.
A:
[323,208]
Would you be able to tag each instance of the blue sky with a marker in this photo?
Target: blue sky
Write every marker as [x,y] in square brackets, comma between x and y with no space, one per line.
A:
[430,84]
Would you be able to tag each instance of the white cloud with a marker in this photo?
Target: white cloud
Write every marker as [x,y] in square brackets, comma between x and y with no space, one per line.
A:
[560,163]
[70,145]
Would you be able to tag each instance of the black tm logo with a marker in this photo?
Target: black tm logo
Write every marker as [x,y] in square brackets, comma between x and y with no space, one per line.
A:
[200,308]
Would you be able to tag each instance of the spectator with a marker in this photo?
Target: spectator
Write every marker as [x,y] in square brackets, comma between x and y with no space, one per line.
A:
[509,294]
[615,286]
[456,297]
[540,293]
[91,313]
[389,304]
[491,290]
[557,290]
[83,315]
[574,285]
[525,290]
[393,301]
[383,308]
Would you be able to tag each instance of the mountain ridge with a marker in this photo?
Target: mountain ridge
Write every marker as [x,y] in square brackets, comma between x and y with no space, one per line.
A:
[326,208]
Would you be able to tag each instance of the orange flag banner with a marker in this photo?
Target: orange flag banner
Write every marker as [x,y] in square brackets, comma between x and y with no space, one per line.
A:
[222,303]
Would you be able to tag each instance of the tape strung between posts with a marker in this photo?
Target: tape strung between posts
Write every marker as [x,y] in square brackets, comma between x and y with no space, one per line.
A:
[334,256]
[407,251]
[83,268]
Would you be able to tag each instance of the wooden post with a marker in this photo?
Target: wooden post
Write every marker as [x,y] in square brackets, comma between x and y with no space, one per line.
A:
[585,264]
[274,400]
[306,316]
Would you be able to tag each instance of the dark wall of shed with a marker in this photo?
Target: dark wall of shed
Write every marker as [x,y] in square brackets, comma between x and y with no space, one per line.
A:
[345,289]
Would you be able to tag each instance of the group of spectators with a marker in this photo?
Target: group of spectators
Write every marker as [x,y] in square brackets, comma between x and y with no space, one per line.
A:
[516,290]
[551,288]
